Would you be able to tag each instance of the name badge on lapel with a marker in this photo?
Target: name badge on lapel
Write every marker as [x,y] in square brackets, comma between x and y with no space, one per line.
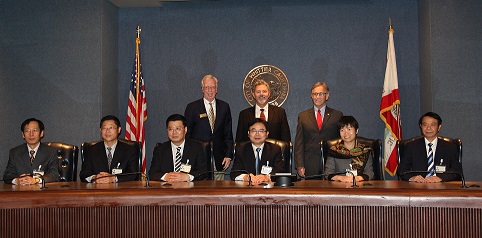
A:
[186,168]
[440,168]
[266,169]
[203,115]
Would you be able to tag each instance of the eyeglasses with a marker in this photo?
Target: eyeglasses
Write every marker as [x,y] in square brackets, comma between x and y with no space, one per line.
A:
[109,128]
[31,130]
[209,87]
[257,132]
[319,94]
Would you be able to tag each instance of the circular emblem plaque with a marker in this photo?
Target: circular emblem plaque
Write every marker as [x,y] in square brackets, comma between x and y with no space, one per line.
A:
[276,79]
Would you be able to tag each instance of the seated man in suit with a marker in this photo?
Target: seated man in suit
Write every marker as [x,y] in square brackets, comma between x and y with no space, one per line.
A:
[258,158]
[430,154]
[26,160]
[105,159]
[180,159]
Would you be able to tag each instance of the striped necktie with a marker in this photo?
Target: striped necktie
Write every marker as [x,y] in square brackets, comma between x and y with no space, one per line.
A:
[177,165]
[211,116]
[109,156]
[431,169]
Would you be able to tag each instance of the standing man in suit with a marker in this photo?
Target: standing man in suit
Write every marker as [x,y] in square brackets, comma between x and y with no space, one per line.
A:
[180,159]
[209,119]
[430,154]
[25,160]
[314,125]
[275,116]
[110,156]
[257,157]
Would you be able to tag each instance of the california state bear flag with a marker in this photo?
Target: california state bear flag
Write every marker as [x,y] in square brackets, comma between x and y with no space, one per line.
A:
[390,109]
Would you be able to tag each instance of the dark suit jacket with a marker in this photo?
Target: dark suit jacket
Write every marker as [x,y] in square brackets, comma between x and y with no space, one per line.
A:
[277,122]
[95,161]
[198,128]
[162,159]
[308,137]
[415,158]
[19,163]
[245,159]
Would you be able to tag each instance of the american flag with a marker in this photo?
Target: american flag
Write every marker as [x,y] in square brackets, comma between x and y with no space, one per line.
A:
[137,106]
[390,108]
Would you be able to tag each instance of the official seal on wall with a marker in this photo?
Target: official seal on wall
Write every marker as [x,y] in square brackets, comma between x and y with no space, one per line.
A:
[275,77]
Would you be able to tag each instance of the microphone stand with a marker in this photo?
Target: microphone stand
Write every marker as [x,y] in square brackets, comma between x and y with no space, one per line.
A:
[43,180]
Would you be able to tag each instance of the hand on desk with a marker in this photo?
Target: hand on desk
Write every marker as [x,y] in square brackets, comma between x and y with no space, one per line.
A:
[301,171]
[257,179]
[176,177]
[104,177]
[420,179]
[26,179]
[346,179]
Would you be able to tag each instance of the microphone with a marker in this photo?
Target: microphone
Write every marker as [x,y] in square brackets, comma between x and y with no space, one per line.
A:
[143,175]
[42,178]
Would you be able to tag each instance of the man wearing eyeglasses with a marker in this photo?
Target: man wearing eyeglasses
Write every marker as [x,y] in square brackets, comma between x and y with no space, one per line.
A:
[314,125]
[180,159]
[110,156]
[257,158]
[209,119]
[34,157]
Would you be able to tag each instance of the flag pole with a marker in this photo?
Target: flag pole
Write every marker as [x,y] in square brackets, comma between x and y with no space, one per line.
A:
[138,77]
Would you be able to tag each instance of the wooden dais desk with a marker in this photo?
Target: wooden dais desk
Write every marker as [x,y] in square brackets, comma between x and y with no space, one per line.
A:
[232,209]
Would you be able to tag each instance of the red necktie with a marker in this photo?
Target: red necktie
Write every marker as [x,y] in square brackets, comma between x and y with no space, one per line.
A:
[261,115]
[319,119]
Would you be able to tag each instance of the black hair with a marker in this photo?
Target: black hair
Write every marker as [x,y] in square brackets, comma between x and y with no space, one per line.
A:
[432,115]
[347,121]
[110,117]
[176,117]
[26,122]
[258,120]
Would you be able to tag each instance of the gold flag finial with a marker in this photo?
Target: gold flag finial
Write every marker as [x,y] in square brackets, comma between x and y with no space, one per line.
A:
[390,30]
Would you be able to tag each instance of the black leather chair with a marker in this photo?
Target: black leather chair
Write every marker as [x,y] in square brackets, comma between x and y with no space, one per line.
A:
[286,152]
[402,144]
[68,156]
[137,145]
[375,144]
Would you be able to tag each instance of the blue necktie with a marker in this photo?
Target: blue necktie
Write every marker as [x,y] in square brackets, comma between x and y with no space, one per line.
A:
[431,169]
[257,160]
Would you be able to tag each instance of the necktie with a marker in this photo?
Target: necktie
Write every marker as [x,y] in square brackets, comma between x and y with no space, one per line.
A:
[32,152]
[261,115]
[177,165]
[431,170]
[257,160]
[211,116]
[319,119]
[109,156]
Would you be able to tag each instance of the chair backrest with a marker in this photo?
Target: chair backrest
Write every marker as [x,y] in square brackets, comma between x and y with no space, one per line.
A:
[137,146]
[68,156]
[375,144]
[402,144]
[286,152]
